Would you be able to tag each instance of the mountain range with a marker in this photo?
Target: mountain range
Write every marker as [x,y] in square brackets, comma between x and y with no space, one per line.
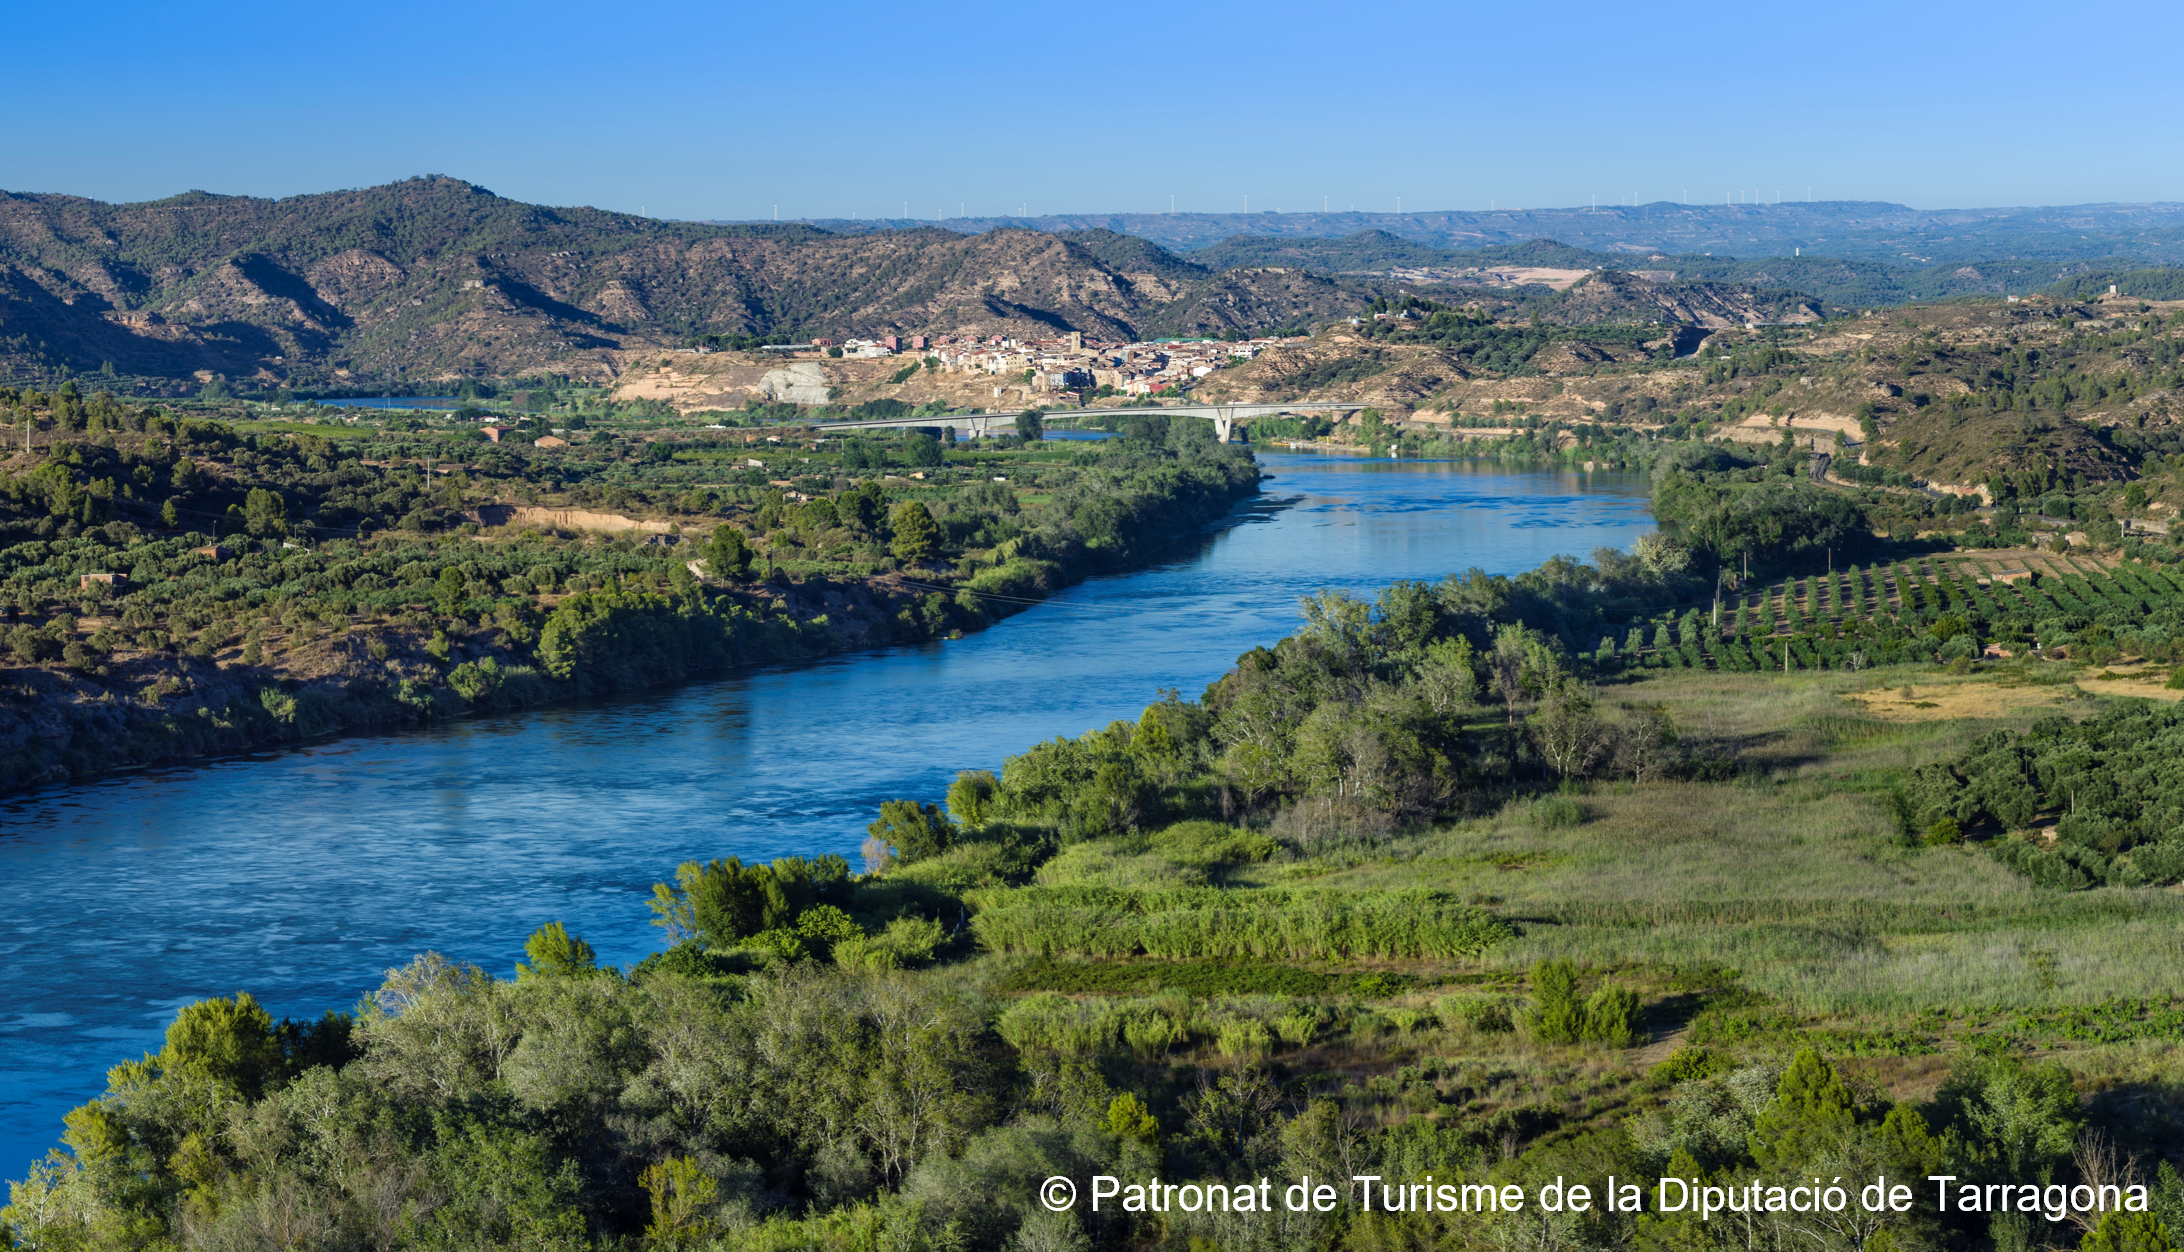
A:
[436,278]
[1858,230]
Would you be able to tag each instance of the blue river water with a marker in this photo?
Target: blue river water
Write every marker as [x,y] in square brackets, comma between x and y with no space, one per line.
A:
[300,875]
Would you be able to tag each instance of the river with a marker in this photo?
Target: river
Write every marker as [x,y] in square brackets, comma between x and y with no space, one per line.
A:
[299,875]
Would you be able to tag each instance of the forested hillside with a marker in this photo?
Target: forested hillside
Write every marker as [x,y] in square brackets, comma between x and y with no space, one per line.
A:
[174,587]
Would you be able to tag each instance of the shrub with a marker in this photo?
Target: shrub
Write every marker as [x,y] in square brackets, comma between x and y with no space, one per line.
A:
[1944,832]
[1556,812]
[1612,1017]
[1128,1118]
[1152,1035]
[906,943]
[687,959]
[913,830]
[1688,1064]
[1297,1029]
[1052,1023]
[1556,1014]
[823,926]
[724,902]
[1244,1039]
[2129,1232]
[1489,1015]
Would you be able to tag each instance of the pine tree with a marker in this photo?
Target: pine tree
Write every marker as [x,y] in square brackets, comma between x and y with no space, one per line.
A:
[915,534]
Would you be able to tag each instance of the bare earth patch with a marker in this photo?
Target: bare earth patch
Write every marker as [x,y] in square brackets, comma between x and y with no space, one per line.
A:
[2136,679]
[1914,703]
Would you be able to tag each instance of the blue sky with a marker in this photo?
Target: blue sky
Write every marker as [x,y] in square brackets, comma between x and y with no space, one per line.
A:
[725,110]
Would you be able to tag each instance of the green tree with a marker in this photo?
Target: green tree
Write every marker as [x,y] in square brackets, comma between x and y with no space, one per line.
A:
[723,902]
[923,451]
[1031,425]
[1567,731]
[2129,1232]
[555,953]
[265,512]
[1811,1108]
[971,797]
[451,589]
[232,1041]
[916,535]
[683,1195]
[1128,1118]
[822,926]
[169,516]
[1557,1016]
[866,505]
[2019,1120]
[1447,676]
[913,830]
[726,553]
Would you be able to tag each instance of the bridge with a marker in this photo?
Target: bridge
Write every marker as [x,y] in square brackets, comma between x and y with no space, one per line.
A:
[1224,417]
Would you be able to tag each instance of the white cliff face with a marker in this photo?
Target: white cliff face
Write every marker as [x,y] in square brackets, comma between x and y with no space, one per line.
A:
[803,382]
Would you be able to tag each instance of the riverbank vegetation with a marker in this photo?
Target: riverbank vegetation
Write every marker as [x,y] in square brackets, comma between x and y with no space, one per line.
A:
[1424,889]
[173,587]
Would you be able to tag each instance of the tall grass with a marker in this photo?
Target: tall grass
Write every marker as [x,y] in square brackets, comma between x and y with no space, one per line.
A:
[1206,922]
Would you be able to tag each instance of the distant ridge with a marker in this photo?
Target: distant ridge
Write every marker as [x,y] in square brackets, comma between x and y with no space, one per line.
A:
[438,278]
[1866,230]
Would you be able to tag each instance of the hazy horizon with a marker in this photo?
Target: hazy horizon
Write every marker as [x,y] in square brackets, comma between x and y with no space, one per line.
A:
[1407,211]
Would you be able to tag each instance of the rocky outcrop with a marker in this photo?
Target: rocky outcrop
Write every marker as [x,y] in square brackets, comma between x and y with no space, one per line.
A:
[804,382]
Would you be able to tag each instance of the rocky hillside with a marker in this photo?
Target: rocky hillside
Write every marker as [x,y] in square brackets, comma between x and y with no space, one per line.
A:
[2039,393]
[436,278]
[1622,296]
